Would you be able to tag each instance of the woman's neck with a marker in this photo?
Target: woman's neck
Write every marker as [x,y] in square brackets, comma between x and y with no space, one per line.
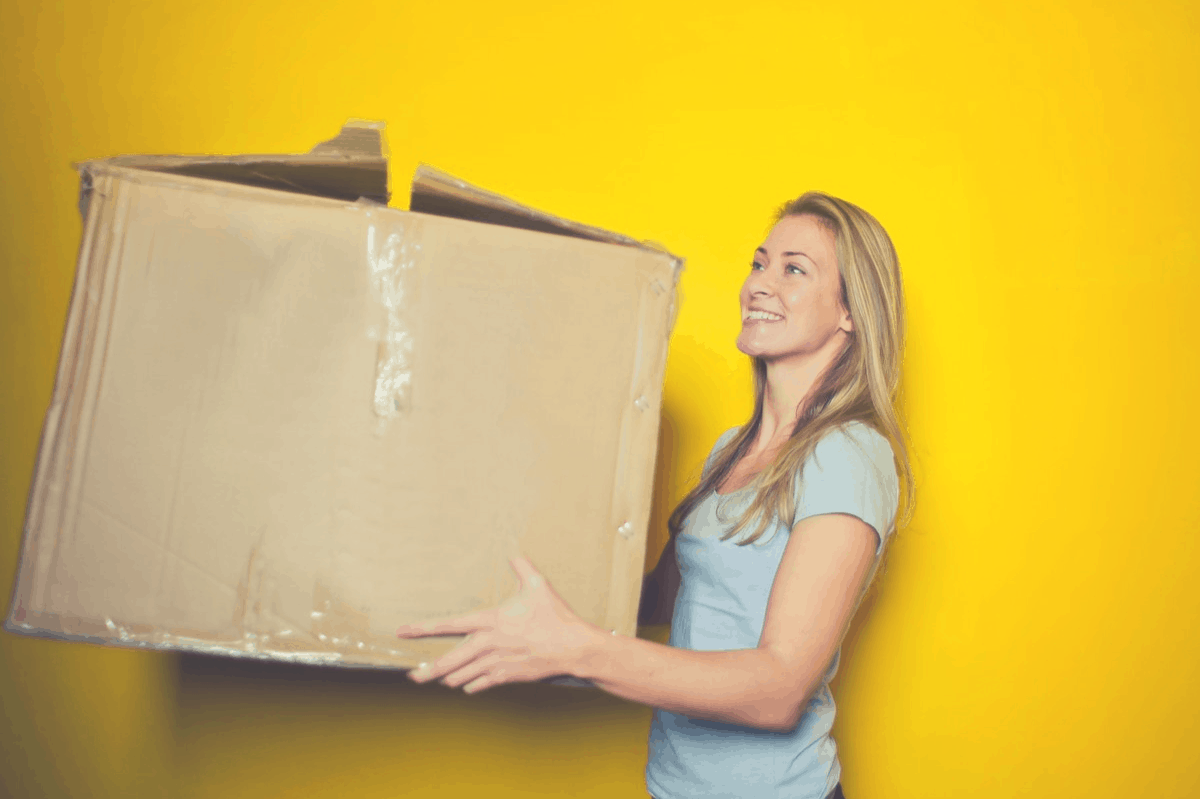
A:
[790,385]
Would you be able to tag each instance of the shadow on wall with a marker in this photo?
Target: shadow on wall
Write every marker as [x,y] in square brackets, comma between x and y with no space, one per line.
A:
[862,617]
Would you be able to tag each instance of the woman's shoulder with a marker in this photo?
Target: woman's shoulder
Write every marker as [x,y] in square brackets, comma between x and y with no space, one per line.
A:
[852,470]
[855,445]
[856,433]
[855,438]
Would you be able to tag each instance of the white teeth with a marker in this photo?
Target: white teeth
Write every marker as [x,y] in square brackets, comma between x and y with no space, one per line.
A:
[764,315]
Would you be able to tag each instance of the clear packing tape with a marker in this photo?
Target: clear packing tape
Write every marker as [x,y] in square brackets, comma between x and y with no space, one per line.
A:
[390,259]
[284,424]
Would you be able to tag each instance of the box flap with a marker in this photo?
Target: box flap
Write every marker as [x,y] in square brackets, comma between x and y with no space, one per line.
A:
[350,166]
[436,192]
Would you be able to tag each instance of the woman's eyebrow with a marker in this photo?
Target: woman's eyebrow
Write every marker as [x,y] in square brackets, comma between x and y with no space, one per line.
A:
[806,255]
[763,250]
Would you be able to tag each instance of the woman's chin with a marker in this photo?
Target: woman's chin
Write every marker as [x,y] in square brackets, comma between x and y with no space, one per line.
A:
[748,346]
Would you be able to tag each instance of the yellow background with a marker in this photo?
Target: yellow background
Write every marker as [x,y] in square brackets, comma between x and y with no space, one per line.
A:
[1035,633]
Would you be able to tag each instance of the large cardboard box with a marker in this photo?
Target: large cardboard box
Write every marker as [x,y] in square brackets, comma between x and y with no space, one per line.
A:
[288,419]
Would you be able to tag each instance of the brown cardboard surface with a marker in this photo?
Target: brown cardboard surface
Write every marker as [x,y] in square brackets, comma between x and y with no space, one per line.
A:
[284,424]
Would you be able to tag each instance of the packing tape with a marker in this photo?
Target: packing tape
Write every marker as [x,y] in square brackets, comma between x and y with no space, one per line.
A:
[391,255]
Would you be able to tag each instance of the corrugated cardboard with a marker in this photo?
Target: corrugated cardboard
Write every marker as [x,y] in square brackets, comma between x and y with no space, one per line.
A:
[287,421]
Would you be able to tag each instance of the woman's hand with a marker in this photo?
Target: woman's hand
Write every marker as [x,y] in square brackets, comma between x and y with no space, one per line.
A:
[531,636]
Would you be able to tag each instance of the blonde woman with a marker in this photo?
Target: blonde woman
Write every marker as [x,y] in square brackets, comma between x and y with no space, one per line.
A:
[769,554]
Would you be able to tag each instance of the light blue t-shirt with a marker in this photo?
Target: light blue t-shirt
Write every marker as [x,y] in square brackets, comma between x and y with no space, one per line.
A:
[721,605]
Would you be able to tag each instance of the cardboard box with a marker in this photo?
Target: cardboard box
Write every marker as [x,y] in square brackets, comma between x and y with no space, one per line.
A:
[288,419]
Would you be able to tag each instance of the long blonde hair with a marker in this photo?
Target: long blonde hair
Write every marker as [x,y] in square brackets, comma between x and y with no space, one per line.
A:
[861,384]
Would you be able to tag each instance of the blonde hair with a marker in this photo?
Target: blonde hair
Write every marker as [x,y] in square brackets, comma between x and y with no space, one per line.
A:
[861,385]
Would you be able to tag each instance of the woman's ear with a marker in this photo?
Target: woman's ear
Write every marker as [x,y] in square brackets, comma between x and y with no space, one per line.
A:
[847,324]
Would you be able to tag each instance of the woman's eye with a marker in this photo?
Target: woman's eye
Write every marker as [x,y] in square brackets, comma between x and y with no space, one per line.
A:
[795,270]
[756,265]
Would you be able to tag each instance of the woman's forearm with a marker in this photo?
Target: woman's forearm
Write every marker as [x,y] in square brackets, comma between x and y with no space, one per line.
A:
[535,635]
[820,579]
[751,687]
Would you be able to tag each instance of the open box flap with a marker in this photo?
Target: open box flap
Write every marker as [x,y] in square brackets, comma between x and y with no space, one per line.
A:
[436,192]
[350,166]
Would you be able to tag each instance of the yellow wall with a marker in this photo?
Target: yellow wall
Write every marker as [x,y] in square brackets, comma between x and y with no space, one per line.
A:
[1035,633]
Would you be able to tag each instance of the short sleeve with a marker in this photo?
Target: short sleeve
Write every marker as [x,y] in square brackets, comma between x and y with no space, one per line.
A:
[852,470]
[722,440]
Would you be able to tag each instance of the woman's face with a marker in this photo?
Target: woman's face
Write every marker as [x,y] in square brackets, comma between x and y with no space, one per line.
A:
[792,298]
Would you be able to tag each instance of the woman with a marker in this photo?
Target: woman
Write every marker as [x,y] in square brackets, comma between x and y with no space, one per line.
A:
[769,554]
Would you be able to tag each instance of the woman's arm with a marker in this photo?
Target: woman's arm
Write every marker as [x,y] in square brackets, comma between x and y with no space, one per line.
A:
[535,635]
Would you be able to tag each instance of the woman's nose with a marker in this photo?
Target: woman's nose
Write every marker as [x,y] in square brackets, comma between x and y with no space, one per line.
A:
[759,284]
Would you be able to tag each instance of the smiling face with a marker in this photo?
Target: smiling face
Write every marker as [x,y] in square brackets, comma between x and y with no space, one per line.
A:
[792,298]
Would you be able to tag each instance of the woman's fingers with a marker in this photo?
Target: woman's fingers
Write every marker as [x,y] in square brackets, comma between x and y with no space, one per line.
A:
[471,671]
[453,660]
[508,643]
[526,573]
[496,676]
[461,625]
